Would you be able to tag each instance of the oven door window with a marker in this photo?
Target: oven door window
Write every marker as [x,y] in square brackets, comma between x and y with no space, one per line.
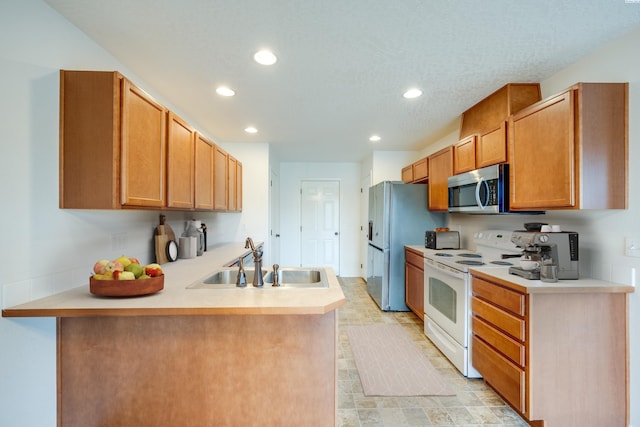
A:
[443,298]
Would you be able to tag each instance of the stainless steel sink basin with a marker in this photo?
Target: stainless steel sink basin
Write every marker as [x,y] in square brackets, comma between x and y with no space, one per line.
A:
[294,276]
[226,277]
[291,277]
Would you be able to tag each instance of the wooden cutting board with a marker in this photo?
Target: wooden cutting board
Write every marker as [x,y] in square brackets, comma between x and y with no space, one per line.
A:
[161,240]
[167,229]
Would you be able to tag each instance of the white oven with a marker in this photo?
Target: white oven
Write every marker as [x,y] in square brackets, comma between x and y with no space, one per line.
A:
[447,293]
[447,313]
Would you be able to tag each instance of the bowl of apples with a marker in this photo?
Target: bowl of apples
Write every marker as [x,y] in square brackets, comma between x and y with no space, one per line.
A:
[125,277]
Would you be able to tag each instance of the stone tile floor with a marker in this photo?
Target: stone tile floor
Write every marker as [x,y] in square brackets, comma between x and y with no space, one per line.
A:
[475,404]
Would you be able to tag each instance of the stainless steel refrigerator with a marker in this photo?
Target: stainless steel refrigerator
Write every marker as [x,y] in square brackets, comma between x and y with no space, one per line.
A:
[398,216]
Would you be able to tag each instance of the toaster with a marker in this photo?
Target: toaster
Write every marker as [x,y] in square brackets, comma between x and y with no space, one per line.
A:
[442,239]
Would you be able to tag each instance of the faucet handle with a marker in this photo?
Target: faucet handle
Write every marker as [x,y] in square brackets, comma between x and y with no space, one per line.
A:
[275,275]
[241,280]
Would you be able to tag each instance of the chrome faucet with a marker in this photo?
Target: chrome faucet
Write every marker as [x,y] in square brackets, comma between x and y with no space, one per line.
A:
[257,260]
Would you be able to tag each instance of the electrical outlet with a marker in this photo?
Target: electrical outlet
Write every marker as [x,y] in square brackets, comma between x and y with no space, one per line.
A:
[632,246]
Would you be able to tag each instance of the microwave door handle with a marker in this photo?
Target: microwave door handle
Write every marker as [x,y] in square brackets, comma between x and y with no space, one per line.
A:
[478,185]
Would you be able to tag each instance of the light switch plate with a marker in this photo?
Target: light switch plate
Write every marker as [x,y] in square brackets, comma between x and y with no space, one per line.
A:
[632,246]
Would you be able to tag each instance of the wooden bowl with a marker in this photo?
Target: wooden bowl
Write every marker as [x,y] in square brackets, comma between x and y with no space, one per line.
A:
[126,288]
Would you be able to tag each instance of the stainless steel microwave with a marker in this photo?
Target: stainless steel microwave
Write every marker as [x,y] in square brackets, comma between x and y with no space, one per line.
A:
[483,190]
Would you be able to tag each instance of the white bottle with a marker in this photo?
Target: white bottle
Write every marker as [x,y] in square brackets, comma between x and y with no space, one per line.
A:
[194,230]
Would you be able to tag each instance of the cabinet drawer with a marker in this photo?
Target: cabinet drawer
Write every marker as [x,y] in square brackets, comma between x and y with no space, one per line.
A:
[509,347]
[502,320]
[500,373]
[414,259]
[504,298]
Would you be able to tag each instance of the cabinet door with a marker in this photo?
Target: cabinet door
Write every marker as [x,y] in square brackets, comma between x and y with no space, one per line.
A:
[464,155]
[407,174]
[204,173]
[491,147]
[220,181]
[180,163]
[420,170]
[232,170]
[239,186]
[542,155]
[440,169]
[143,167]
[414,283]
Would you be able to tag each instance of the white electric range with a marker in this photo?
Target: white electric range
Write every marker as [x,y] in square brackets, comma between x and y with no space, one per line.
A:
[447,296]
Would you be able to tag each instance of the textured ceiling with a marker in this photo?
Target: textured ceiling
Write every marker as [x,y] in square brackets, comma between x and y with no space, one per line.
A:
[342,64]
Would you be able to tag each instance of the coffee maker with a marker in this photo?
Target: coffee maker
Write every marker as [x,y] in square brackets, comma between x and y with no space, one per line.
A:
[554,248]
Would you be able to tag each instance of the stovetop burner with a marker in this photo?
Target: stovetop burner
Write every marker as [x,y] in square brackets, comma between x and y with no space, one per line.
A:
[443,254]
[470,262]
[501,263]
[470,255]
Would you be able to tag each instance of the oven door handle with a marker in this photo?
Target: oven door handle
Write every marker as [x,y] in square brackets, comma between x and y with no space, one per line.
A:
[481,181]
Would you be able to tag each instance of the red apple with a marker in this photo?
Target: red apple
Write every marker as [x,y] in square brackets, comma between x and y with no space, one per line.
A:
[153,270]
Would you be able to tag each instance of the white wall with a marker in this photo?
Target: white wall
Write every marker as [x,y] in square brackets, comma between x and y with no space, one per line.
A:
[602,233]
[45,249]
[291,174]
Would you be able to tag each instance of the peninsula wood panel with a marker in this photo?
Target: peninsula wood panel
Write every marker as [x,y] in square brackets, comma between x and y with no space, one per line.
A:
[197,371]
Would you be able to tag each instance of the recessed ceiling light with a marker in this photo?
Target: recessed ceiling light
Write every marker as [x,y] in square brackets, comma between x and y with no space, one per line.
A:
[265,57]
[412,93]
[251,129]
[374,138]
[225,91]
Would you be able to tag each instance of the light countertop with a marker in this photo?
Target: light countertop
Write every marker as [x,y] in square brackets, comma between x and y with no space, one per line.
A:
[176,300]
[502,276]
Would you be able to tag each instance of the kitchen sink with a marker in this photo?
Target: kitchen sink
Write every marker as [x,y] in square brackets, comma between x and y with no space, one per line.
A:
[294,276]
[288,277]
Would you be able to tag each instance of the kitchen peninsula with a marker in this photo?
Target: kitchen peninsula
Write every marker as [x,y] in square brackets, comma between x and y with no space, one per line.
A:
[185,357]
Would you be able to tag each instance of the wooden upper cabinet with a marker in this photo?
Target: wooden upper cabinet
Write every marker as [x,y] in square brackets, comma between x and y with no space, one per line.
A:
[407,174]
[119,148]
[421,170]
[112,143]
[440,169]
[464,155]
[496,108]
[143,149]
[203,173]
[180,164]
[220,180]
[417,172]
[491,146]
[238,186]
[570,151]
[232,180]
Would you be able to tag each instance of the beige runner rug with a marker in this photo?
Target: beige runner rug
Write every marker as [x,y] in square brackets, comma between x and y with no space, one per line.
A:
[391,364]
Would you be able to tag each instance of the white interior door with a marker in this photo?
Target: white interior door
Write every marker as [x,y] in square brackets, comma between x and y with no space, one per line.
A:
[320,224]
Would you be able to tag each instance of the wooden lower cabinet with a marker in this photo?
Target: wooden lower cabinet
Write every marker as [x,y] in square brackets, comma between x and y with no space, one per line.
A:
[414,281]
[184,371]
[558,358]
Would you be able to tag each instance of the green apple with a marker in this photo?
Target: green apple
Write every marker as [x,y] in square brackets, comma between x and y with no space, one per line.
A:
[136,269]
